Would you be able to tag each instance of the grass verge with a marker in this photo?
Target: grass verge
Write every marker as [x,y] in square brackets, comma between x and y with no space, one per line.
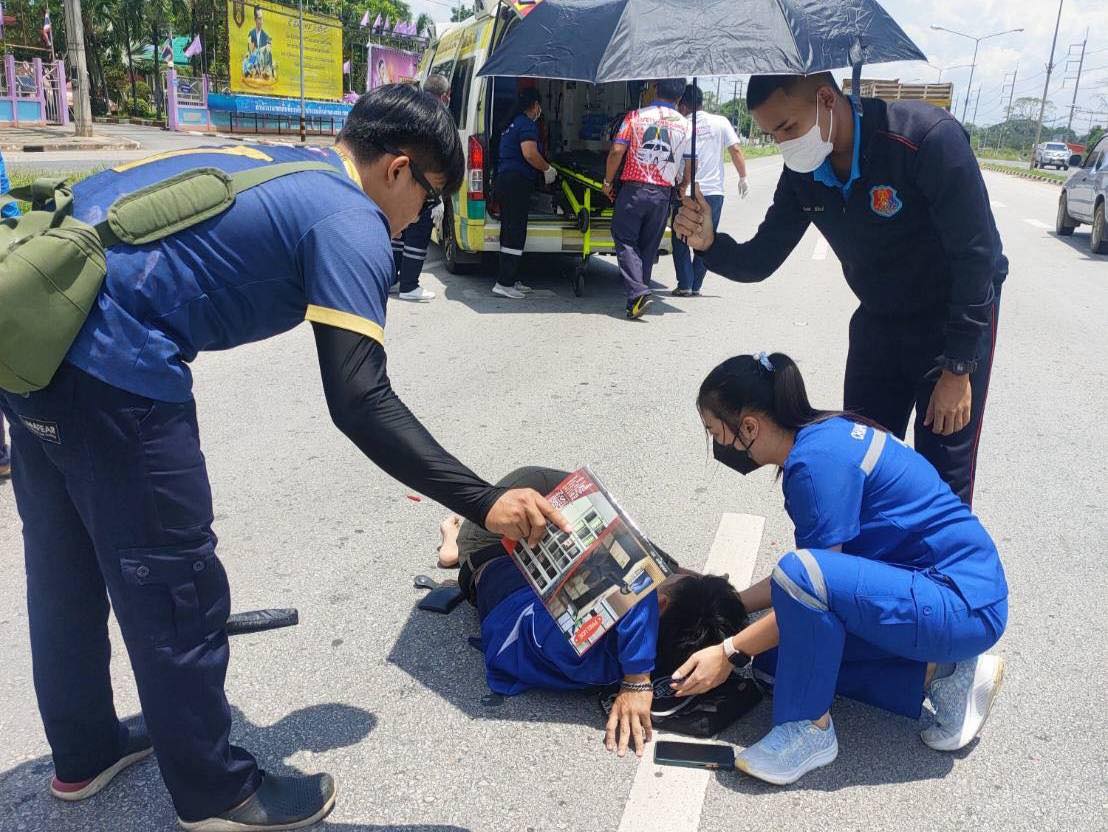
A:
[1041,175]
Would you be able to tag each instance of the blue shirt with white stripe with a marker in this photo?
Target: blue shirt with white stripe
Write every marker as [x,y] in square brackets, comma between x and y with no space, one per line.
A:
[524,647]
[851,484]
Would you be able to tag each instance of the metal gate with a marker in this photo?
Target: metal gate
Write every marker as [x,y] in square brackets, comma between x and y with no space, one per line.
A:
[53,89]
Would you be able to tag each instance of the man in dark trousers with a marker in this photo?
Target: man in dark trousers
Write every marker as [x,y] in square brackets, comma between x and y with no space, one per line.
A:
[409,250]
[108,473]
[898,194]
[651,146]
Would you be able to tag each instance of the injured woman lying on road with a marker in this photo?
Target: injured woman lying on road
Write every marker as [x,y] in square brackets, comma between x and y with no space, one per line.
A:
[524,649]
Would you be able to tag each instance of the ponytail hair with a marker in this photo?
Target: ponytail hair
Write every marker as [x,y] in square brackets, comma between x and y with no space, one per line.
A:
[769,384]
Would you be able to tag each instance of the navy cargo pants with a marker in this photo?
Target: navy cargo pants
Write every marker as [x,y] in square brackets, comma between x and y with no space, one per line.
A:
[889,371]
[115,502]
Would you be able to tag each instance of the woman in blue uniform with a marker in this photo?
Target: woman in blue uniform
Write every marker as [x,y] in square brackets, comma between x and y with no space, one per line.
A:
[893,595]
[520,165]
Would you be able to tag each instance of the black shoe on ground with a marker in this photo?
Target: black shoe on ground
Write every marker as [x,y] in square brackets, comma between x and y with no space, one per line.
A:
[682,293]
[279,803]
[138,747]
[637,307]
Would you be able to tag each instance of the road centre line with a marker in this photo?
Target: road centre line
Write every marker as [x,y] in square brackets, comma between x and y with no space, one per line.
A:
[821,249]
[666,797]
[1037,224]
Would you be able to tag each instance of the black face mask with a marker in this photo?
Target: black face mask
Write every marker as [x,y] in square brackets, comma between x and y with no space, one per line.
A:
[735,459]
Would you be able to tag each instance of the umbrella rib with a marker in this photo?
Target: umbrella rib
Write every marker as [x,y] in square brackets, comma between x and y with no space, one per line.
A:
[788,20]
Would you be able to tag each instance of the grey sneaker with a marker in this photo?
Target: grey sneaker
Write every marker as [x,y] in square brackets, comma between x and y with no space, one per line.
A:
[962,702]
[789,751]
[279,803]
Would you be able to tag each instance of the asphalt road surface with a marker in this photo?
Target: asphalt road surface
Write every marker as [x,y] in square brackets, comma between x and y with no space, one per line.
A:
[393,701]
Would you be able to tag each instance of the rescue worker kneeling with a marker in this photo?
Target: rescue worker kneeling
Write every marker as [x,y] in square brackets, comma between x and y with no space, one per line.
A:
[893,595]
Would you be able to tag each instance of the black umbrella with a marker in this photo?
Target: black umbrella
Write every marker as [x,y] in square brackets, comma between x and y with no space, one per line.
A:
[601,41]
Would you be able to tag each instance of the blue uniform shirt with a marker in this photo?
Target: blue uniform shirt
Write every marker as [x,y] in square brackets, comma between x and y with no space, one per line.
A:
[522,129]
[850,484]
[825,173]
[309,246]
[524,648]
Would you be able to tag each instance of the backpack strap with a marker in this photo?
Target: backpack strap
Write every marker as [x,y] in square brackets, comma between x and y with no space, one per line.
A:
[131,220]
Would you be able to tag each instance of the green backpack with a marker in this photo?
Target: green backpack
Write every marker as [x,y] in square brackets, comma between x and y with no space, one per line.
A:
[53,265]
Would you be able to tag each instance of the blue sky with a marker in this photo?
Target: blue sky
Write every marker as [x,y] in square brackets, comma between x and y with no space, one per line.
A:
[997,56]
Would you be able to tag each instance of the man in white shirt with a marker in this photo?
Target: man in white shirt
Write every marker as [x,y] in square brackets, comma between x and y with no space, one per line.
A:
[714,137]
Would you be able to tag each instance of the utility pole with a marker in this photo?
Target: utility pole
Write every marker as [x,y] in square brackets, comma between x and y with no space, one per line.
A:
[75,42]
[1011,85]
[1077,80]
[719,104]
[303,132]
[1049,69]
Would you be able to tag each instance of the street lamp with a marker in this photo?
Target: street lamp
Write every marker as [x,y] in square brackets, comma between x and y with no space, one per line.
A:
[943,69]
[976,43]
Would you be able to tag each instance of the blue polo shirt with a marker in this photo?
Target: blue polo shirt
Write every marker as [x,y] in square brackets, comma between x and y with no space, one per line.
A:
[825,173]
[525,649]
[521,129]
[308,246]
[850,484]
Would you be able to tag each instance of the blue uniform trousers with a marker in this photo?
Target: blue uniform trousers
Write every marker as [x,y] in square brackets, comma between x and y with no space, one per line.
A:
[867,630]
[410,251]
[115,502]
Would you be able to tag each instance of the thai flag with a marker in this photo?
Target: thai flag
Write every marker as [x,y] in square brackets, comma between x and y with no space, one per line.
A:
[47,29]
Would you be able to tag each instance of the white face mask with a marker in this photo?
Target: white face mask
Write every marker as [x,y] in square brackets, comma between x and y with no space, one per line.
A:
[806,153]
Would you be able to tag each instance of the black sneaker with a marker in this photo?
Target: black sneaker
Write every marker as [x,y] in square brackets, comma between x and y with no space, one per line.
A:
[138,747]
[637,307]
[681,293]
[279,803]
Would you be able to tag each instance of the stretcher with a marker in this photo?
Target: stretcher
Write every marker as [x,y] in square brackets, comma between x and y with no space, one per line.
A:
[575,171]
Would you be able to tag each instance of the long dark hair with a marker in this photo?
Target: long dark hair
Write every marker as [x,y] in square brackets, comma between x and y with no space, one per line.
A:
[766,384]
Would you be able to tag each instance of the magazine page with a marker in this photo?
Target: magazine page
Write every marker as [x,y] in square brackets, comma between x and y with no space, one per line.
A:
[590,577]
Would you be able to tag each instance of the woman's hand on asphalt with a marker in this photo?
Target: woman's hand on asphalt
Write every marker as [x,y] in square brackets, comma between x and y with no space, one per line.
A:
[523,514]
[630,716]
[705,669]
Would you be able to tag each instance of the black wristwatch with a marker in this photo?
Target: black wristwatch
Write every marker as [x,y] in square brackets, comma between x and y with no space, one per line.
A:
[737,657]
[958,366]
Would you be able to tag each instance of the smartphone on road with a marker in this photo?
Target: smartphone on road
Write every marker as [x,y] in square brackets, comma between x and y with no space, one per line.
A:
[694,754]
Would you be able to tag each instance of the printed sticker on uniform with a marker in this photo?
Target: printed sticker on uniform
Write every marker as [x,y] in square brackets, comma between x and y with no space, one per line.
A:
[858,431]
[46,431]
[884,201]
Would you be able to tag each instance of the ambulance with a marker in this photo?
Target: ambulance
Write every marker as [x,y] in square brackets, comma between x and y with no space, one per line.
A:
[570,218]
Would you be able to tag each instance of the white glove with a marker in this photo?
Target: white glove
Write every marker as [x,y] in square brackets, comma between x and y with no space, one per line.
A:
[550,175]
[744,188]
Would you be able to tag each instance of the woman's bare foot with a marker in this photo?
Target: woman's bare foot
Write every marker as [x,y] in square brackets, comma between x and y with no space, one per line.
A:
[448,549]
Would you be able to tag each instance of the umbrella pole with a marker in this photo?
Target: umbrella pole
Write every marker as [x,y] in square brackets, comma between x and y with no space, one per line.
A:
[692,173]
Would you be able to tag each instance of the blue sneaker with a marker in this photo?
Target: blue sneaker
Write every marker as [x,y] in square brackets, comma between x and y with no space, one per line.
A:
[962,702]
[789,751]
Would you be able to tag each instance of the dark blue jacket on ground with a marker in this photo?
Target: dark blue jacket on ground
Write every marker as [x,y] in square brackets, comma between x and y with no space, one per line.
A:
[915,231]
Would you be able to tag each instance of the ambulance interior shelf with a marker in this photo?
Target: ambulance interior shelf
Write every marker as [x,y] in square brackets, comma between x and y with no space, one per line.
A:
[577,123]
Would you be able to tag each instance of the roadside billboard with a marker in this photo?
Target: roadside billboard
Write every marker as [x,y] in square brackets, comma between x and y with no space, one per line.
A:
[264,44]
[388,65]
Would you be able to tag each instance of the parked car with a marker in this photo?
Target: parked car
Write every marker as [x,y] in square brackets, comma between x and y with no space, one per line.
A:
[1051,154]
[1084,196]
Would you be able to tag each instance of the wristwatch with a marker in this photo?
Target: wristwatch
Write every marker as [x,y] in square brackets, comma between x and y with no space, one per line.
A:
[737,657]
[958,366]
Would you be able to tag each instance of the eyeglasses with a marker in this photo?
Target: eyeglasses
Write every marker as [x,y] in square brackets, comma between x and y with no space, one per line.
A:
[434,195]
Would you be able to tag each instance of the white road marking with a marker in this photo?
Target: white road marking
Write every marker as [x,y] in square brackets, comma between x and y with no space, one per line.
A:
[996,203]
[821,249]
[666,797]
[1037,224]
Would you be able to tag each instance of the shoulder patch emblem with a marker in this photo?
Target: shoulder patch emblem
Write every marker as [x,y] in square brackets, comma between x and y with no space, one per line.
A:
[884,201]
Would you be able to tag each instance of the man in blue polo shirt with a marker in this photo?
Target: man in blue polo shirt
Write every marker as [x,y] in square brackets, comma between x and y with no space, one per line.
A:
[110,481]
[896,190]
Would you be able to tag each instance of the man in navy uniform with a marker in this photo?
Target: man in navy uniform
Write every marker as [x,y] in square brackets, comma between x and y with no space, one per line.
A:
[896,190]
[110,481]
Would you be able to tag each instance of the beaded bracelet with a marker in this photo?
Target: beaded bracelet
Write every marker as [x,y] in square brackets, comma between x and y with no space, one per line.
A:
[637,687]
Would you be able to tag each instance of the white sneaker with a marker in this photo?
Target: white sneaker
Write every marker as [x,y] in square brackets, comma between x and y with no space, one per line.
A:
[789,751]
[508,292]
[418,294]
[962,702]
[519,287]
